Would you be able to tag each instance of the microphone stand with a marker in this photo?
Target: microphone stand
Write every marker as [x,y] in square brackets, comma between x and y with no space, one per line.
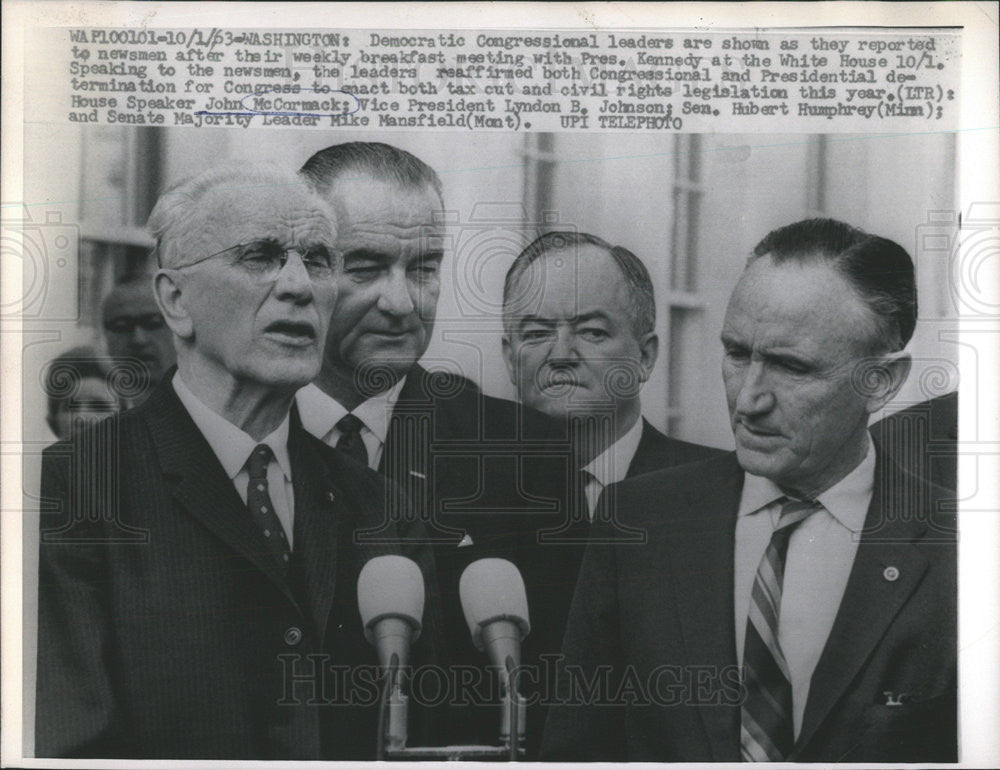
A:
[391,739]
[513,711]
[391,734]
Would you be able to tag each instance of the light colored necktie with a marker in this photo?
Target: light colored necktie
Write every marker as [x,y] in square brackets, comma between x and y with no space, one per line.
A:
[767,733]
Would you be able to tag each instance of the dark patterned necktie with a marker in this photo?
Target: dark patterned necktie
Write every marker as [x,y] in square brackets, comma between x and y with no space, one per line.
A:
[767,730]
[350,441]
[260,505]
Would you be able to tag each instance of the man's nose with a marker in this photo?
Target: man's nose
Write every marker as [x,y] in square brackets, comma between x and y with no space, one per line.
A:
[293,281]
[564,346]
[139,336]
[394,297]
[755,394]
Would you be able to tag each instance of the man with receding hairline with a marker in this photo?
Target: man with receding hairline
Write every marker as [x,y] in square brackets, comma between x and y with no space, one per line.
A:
[374,400]
[794,600]
[580,343]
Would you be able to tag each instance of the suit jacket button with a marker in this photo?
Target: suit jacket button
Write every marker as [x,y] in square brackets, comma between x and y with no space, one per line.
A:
[293,636]
[891,574]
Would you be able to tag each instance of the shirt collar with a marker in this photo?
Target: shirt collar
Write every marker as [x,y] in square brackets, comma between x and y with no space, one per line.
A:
[230,444]
[320,412]
[847,500]
[612,464]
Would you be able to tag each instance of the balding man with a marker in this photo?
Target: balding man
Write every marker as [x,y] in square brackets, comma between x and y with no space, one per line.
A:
[579,343]
[198,576]
[794,600]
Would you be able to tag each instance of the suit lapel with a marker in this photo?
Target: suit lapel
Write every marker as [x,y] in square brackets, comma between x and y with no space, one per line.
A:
[417,422]
[406,455]
[317,503]
[201,485]
[701,545]
[646,459]
[871,601]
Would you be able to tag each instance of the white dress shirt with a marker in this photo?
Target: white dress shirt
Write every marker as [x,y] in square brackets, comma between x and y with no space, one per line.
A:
[821,552]
[320,414]
[233,447]
[611,465]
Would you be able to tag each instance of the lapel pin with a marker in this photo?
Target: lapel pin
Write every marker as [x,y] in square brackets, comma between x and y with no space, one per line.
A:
[418,474]
[893,698]
[891,574]
[329,497]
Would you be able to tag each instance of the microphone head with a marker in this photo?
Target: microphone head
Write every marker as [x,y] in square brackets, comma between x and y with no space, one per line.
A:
[491,590]
[391,587]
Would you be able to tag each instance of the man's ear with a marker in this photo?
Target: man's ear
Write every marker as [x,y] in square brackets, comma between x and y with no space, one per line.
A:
[881,377]
[507,350]
[168,290]
[649,349]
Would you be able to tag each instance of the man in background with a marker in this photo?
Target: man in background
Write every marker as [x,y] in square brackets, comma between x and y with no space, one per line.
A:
[794,600]
[134,330]
[464,458]
[77,390]
[579,343]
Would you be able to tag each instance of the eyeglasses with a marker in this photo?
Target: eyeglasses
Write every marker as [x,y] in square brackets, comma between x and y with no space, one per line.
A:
[149,322]
[264,260]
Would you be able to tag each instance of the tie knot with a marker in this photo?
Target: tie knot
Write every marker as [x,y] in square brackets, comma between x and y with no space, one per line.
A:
[259,458]
[794,512]
[349,424]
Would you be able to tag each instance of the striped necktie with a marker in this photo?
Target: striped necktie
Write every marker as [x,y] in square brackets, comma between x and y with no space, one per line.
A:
[767,732]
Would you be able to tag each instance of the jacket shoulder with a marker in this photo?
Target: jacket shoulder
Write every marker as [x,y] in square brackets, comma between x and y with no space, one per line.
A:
[681,481]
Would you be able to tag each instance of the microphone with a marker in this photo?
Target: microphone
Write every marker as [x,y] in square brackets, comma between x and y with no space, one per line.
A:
[496,609]
[391,601]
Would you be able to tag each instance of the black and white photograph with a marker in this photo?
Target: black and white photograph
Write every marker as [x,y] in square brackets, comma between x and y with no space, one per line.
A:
[558,442]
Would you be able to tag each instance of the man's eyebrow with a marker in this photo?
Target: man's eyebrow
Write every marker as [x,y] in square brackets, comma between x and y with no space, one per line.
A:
[594,315]
[535,319]
[434,254]
[784,355]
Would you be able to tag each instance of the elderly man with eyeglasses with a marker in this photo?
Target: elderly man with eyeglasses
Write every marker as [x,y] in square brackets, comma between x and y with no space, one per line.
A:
[198,567]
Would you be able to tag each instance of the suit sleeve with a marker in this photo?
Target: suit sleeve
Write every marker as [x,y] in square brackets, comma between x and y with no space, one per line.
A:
[76,713]
[583,724]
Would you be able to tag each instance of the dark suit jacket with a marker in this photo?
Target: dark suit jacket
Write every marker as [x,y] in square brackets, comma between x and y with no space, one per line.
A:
[655,620]
[923,438]
[166,629]
[551,567]
[478,466]
[657,451]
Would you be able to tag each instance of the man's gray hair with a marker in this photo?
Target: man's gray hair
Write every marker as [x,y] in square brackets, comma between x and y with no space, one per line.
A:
[642,301]
[174,219]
